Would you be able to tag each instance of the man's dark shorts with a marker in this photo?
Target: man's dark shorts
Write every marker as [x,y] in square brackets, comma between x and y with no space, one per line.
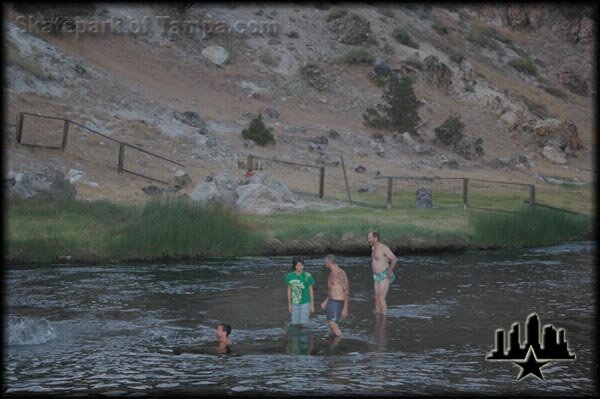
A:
[334,309]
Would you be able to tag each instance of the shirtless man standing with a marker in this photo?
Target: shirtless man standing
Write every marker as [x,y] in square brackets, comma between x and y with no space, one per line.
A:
[338,295]
[383,272]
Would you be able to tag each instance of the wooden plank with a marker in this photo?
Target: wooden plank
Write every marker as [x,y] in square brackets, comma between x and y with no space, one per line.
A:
[465,193]
[346,178]
[321,182]
[389,192]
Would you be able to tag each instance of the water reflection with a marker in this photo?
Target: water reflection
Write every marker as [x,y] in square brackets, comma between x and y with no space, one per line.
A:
[300,341]
[380,332]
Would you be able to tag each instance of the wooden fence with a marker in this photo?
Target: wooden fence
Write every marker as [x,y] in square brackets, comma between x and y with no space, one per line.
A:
[465,187]
[251,164]
[65,136]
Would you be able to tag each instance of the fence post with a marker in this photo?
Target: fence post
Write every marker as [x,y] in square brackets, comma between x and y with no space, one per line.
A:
[65,134]
[346,178]
[465,193]
[249,162]
[321,181]
[20,127]
[389,193]
[121,157]
[532,196]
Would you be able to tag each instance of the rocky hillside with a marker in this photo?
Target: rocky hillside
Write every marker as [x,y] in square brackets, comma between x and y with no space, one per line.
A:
[519,76]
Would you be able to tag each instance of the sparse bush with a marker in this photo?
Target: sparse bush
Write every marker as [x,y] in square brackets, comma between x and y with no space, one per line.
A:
[399,112]
[415,63]
[524,64]
[336,13]
[439,28]
[556,92]
[268,58]
[520,52]
[451,131]
[483,36]
[258,132]
[469,88]
[356,56]
[402,36]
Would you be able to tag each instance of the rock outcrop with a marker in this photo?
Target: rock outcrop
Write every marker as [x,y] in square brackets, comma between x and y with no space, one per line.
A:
[423,198]
[48,183]
[437,73]
[351,29]
[215,54]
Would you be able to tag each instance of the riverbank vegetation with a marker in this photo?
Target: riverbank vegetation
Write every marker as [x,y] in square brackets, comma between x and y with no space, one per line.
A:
[45,231]
[42,231]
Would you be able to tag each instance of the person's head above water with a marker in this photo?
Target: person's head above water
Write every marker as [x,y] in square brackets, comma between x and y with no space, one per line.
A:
[298,264]
[223,330]
[330,260]
[373,237]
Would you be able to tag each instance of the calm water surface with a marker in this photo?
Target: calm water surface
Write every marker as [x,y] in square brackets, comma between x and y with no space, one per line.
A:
[142,329]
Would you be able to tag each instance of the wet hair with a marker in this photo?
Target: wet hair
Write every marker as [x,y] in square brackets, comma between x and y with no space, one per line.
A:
[376,234]
[226,328]
[297,260]
[331,258]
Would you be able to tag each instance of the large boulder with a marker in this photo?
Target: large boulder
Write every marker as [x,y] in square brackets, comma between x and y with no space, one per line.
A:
[181,179]
[423,198]
[351,29]
[561,133]
[469,147]
[554,155]
[47,183]
[315,76]
[259,199]
[206,193]
[215,54]
[190,118]
[437,73]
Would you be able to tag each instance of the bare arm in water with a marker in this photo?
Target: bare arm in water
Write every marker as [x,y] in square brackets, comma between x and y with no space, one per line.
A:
[289,294]
[390,255]
[346,287]
[312,300]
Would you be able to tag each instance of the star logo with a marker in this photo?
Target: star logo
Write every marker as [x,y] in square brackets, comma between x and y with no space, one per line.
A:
[553,347]
[530,366]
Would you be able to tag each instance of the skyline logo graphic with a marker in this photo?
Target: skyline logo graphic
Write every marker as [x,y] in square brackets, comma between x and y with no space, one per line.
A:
[534,354]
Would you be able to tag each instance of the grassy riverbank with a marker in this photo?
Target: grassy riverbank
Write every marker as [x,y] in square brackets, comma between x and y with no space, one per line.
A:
[100,230]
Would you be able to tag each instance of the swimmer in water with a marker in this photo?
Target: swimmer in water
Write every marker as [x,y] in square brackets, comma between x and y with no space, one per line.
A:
[223,331]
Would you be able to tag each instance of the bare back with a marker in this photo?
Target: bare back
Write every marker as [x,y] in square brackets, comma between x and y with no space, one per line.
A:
[336,283]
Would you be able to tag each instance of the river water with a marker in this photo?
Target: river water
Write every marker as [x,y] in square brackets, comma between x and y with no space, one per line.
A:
[146,329]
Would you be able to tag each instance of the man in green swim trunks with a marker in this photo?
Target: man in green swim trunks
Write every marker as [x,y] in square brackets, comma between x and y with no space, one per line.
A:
[383,271]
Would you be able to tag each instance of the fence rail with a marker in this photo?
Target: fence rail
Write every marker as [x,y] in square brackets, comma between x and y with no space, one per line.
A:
[250,166]
[465,187]
[65,136]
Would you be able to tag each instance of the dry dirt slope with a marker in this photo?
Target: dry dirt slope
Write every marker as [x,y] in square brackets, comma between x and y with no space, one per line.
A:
[131,85]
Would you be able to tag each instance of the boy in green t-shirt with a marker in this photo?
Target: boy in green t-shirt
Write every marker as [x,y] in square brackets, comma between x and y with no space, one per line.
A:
[300,292]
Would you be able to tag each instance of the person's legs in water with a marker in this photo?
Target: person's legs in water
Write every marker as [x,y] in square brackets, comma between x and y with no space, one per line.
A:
[334,311]
[304,313]
[296,313]
[384,286]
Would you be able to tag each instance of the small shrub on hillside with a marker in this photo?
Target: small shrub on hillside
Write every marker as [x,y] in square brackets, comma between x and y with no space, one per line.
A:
[439,28]
[556,92]
[258,132]
[481,35]
[524,64]
[356,56]
[415,63]
[399,112]
[268,58]
[451,131]
[402,36]
[469,88]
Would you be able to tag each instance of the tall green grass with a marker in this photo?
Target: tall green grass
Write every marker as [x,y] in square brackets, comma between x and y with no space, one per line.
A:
[174,228]
[529,227]
[44,231]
